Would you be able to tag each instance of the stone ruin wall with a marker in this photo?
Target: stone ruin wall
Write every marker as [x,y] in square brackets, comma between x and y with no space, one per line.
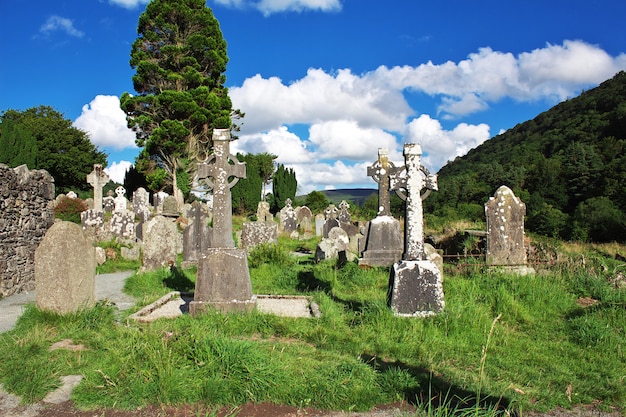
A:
[26,213]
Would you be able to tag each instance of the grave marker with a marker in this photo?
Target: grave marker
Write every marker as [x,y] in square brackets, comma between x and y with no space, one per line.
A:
[97,179]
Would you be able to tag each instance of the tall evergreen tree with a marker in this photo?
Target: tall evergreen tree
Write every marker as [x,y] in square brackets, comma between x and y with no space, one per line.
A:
[180,60]
[246,194]
[285,186]
[17,145]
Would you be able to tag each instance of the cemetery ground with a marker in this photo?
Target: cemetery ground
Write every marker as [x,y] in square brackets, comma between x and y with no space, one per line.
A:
[552,343]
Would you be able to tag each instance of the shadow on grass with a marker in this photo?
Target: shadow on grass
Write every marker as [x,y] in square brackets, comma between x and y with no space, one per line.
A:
[178,281]
[307,282]
[435,392]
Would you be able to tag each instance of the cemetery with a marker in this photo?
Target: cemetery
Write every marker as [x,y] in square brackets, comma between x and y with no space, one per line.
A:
[310,310]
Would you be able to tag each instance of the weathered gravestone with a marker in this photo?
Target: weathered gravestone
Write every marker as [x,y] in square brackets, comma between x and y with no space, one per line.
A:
[261,231]
[97,179]
[288,219]
[108,202]
[141,204]
[122,223]
[160,243]
[159,199]
[330,219]
[384,240]
[334,246]
[263,213]
[65,270]
[319,224]
[170,207]
[416,283]
[223,278]
[305,219]
[505,230]
[197,235]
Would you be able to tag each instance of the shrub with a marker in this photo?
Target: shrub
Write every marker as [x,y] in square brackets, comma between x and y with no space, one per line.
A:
[69,209]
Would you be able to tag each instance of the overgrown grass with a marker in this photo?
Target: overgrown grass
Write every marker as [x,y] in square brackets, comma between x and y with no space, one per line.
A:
[503,343]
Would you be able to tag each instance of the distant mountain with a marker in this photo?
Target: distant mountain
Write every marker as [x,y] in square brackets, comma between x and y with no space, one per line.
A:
[351,195]
[568,165]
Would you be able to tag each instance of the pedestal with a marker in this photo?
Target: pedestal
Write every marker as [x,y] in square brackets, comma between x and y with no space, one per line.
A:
[416,289]
[223,282]
[384,242]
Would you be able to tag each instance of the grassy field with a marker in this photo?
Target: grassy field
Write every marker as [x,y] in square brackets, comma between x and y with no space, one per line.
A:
[504,343]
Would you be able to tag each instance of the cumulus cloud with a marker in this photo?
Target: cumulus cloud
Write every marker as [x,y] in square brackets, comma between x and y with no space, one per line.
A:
[289,148]
[129,4]
[105,122]
[268,7]
[117,171]
[318,96]
[58,23]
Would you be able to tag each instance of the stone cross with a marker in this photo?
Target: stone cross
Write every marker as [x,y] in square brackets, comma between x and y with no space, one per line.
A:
[381,172]
[97,179]
[417,179]
[221,166]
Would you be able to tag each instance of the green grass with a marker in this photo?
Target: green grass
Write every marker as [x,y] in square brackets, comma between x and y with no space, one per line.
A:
[503,343]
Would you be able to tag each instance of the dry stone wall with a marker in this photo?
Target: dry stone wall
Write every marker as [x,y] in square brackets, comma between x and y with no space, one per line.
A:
[26,213]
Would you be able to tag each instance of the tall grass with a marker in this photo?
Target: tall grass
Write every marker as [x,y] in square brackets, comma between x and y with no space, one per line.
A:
[504,343]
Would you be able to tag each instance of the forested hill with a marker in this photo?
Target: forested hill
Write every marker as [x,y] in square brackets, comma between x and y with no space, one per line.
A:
[568,165]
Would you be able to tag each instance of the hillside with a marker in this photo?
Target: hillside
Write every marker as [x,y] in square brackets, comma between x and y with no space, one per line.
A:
[351,195]
[567,164]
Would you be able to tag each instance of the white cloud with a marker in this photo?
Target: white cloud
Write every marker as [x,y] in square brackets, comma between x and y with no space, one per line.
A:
[129,4]
[439,145]
[105,122]
[117,171]
[554,72]
[318,96]
[289,148]
[58,23]
[345,139]
[268,7]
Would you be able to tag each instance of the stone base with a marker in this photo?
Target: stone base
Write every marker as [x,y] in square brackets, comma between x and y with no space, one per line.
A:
[197,308]
[384,242]
[223,281]
[416,289]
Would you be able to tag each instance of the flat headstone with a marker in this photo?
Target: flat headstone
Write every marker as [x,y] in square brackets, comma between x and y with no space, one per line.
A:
[384,242]
[65,269]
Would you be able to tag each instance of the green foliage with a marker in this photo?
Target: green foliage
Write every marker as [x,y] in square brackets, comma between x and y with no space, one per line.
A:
[598,219]
[246,194]
[134,179]
[567,155]
[180,59]
[43,139]
[285,186]
[316,201]
[69,209]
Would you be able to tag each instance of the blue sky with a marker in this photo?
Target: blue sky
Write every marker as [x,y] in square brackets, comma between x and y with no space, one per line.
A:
[325,83]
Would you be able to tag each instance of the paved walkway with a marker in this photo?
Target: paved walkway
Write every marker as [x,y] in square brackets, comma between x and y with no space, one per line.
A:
[108,286]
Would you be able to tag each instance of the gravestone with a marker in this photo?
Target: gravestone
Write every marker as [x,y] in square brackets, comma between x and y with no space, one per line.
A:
[97,179]
[65,270]
[305,219]
[159,198]
[335,246]
[319,224]
[223,277]
[108,202]
[197,235]
[330,219]
[141,204]
[170,207]
[288,220]
[160,241]
[505,230]
[416,283]
[384,244]
[122,223]
[263,213]
[256,233]
[345,221]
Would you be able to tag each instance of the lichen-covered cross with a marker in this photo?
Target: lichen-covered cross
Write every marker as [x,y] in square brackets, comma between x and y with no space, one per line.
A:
[225,170]
[381,172]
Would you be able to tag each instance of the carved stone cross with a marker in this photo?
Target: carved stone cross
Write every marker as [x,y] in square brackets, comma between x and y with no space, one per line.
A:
[417,178]
[97,179]
[381,171]
[221,171]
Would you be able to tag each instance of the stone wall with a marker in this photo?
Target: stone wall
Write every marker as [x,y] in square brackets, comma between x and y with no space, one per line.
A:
[26,213]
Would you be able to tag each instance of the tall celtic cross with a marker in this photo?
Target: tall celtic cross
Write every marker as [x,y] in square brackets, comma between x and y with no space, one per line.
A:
[381,171]
[417,178]
[97,179]
[220,172]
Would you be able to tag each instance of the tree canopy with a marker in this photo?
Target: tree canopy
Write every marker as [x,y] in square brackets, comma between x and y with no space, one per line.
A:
[180,59]
[42,138]
[568,165]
